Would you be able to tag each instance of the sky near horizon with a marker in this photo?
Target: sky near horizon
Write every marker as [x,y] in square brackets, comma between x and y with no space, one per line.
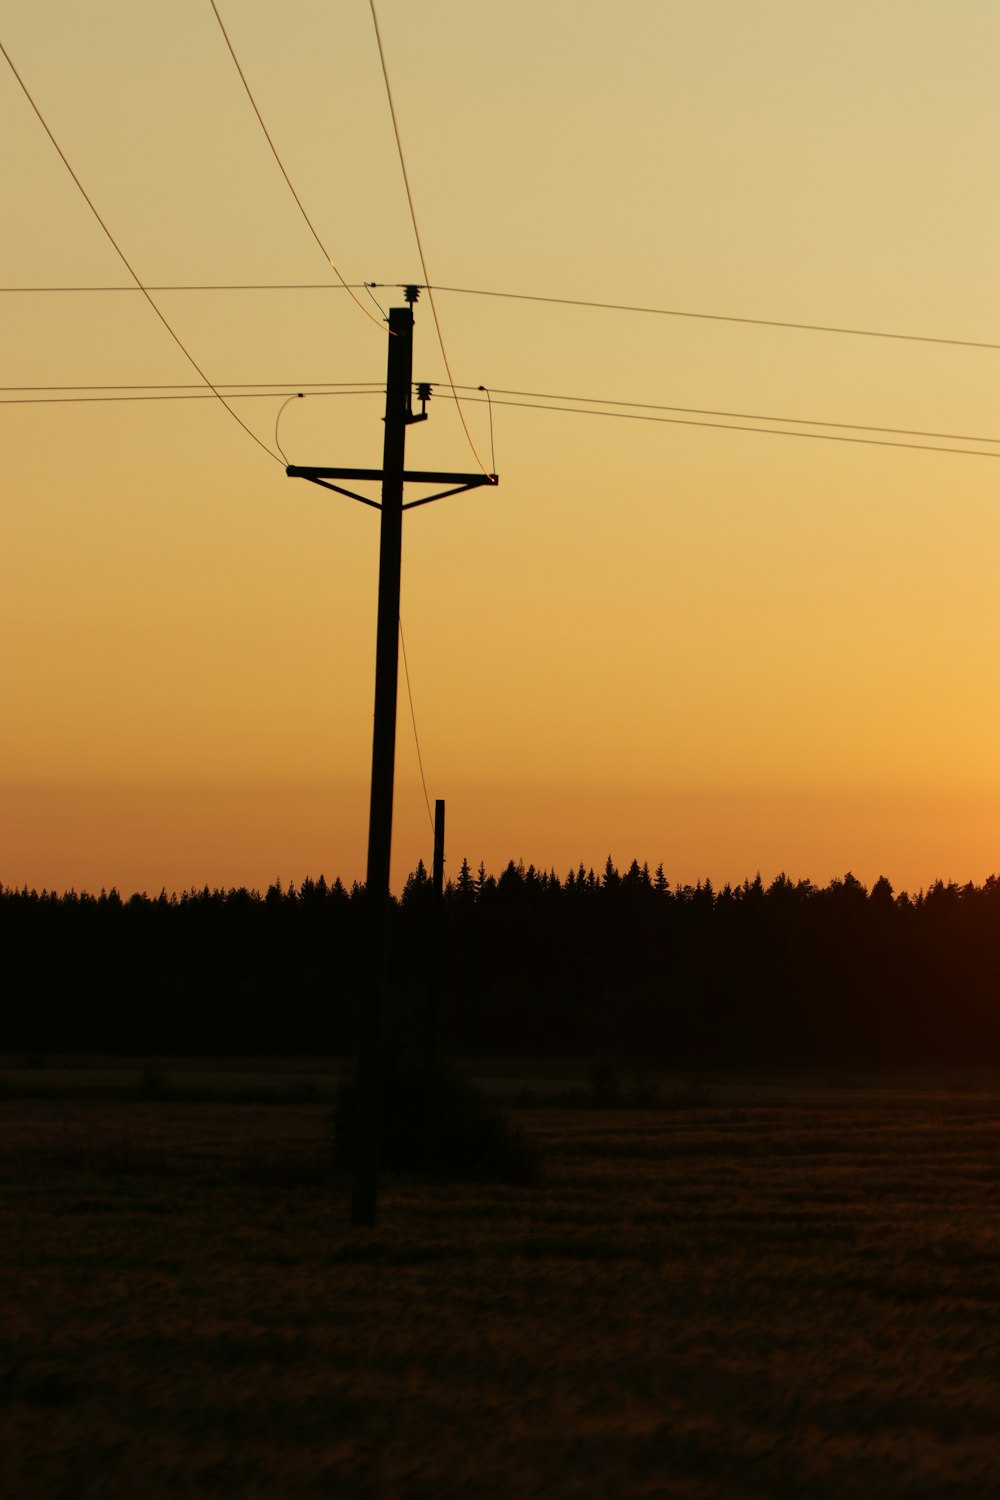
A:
[722,650]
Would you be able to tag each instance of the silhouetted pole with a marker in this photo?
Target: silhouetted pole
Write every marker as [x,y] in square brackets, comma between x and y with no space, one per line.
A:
[433,983]
[393,475]
[368,1081]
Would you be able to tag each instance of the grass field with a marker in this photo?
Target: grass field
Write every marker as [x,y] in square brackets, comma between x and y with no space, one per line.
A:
[781,1290]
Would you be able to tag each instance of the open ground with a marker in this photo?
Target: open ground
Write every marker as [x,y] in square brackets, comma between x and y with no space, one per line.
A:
[763,1288]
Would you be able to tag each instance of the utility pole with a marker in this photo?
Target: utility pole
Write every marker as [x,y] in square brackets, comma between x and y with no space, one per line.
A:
[369,1069]
[434,967]
[394,476]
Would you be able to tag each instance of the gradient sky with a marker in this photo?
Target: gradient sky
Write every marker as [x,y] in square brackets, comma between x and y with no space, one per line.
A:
[722,650]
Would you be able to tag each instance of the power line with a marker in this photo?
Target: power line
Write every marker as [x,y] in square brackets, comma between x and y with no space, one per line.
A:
[829,437]
[675,312]
[749,416]
[662,312]
[126,263]
[215,286]
[416,235]
[591,408]
[281,167]
[162,396]
[374,387]
[223,385]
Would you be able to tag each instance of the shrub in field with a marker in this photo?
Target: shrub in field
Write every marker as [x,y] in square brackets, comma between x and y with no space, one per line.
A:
[447,1128]
[268,1166]
[692,1095]
[605,1082]
[608,1089]
[154,1083]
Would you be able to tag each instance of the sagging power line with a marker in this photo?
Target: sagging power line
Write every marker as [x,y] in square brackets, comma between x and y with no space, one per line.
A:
[222,286]
[127,264]
[330,386]
[592,406]
[579,302]
[750,416]
[827,437]
[281,167]
[676,312]
[163,396]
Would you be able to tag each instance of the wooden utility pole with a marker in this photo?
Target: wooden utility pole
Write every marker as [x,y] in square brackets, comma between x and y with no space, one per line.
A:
[369,1070]
[393,475]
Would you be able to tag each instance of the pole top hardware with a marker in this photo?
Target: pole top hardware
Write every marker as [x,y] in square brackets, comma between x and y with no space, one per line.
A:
[412,293]
[423,396]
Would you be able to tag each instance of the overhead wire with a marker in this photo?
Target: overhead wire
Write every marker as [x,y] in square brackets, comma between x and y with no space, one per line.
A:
[163,396]
[750,416]
[281,167]
[127,264]
[662,312]
[590,406]
[416,235]
[828,437]
[373,387]
[676,312]
[224,385]
[214,286]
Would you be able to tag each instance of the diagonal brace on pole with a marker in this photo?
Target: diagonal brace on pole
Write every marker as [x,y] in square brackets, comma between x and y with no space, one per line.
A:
[459,482]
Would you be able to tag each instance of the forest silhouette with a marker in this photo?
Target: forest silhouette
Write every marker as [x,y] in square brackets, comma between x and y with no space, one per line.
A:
[617,964]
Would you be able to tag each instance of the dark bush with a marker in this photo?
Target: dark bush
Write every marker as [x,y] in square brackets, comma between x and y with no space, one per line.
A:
[605,1083]
[606,1089]
[154,1083]
[469,1139]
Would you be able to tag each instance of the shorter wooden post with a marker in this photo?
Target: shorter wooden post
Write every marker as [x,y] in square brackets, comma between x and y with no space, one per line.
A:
[434,968]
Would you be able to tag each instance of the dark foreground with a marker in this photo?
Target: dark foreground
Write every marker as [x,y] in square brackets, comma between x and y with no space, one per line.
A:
[779,1291]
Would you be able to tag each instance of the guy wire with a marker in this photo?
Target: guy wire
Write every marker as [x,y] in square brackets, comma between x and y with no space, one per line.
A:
[413,721]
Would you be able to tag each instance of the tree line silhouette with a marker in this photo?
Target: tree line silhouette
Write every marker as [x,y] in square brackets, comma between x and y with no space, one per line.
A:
[616,964]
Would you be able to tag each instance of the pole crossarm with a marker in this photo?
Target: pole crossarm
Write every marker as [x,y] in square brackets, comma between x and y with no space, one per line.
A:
[458,483]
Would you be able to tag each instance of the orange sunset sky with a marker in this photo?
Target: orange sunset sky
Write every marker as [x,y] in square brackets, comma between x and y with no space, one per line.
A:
[725,650]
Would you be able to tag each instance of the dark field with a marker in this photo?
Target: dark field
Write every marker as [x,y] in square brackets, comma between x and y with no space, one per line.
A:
[765,1290]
